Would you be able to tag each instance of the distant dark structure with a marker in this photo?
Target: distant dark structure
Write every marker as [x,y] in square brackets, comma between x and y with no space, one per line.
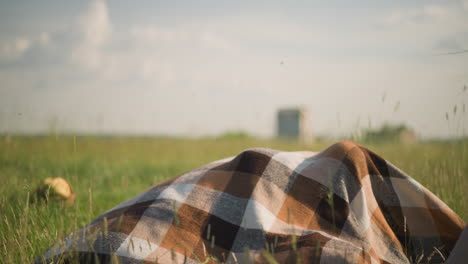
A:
[293,124]
[391,133]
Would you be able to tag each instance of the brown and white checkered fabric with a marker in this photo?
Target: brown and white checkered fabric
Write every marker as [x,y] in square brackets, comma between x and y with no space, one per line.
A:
[342,205]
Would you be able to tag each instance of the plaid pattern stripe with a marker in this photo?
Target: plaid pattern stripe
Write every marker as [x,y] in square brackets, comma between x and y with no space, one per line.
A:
[345,204]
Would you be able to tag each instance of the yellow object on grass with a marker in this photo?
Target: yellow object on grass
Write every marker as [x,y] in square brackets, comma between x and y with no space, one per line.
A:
[56,188]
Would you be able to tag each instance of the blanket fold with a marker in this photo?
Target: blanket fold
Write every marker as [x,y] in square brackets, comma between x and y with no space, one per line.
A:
[342,205]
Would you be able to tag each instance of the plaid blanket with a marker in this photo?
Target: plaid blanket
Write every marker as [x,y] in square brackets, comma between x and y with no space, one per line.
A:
[344,204]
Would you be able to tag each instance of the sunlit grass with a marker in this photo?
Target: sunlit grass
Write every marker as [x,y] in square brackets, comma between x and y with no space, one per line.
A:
[106,171]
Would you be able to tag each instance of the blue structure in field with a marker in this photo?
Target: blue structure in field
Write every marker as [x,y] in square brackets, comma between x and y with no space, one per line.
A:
[293,123]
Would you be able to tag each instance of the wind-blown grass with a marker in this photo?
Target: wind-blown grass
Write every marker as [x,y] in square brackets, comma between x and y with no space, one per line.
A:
[106,171]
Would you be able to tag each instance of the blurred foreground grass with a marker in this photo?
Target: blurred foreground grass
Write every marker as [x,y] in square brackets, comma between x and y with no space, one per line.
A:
[106,171]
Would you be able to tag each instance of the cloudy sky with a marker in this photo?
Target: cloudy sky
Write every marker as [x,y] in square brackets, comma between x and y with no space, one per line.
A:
[205,67]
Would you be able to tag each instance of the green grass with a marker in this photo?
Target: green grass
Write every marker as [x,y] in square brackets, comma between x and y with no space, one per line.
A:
[106,171]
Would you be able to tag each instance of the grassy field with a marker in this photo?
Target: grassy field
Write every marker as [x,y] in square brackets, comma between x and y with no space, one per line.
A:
[106,171]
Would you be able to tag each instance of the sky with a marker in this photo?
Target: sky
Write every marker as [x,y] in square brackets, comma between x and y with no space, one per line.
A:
[200,68]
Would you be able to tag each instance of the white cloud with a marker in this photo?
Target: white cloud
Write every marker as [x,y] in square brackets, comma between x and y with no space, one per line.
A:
[96,30]
[22,45]
[15,48]
[428,26]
